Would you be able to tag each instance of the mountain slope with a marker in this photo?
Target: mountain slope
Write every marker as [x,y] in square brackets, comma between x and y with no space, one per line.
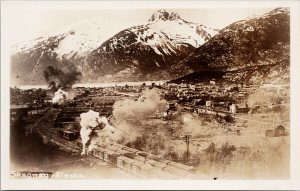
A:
[254,50]
[72,43]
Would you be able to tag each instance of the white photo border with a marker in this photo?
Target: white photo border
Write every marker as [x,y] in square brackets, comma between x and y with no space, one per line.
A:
[293,183]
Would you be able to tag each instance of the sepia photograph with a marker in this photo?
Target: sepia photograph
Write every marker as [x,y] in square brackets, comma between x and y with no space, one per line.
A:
[148,91]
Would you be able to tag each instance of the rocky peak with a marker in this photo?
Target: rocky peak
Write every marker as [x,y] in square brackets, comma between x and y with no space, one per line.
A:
[174,16]
[164,16]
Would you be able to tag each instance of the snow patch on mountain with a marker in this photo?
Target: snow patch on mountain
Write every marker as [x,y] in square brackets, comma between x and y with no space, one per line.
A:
[80,39]
[180,31]
[166,32]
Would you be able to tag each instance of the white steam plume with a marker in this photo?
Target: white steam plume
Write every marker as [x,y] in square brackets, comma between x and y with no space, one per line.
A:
[60,97]
[94,129]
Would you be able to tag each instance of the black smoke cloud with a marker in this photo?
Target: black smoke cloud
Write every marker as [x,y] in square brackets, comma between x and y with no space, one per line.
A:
[63,75]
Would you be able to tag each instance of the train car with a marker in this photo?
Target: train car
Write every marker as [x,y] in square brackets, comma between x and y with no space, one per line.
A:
[136,168]
[106,155]
[111,157]
[128,164]
[69,135]
[124,163]
[99,153]
[120,161]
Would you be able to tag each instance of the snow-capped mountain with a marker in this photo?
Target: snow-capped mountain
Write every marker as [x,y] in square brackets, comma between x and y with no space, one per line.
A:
[104,53]
[76,39]
[163,41]
[72,42]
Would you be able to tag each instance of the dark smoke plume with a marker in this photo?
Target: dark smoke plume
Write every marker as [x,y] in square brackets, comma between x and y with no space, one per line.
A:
[63,76]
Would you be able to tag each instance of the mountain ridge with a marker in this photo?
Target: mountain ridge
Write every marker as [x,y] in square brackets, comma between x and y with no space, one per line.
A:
[107,59]
[260,41]
[254,50]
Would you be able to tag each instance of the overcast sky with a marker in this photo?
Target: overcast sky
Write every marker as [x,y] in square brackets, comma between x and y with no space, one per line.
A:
[26,24]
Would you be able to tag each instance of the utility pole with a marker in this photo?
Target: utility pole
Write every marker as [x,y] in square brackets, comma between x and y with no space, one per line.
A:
[187,141]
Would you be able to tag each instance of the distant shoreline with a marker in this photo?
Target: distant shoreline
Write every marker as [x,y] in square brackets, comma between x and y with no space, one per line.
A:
[110,84]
